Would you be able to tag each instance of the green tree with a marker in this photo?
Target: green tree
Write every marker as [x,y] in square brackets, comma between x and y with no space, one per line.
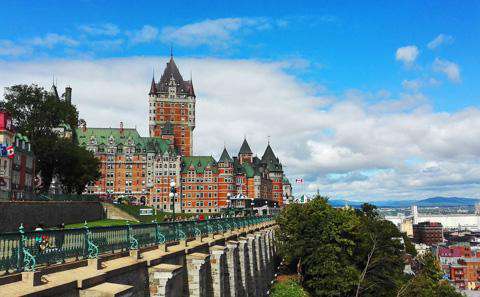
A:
[378,254]
[428,281]
[342,252]
[36,113]
[320,240]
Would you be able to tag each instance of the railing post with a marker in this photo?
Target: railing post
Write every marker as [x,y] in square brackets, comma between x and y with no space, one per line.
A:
[21,245]
[85,240]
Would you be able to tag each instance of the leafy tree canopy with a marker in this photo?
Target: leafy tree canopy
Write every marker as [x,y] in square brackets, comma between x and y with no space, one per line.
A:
[345,252]
[36,113]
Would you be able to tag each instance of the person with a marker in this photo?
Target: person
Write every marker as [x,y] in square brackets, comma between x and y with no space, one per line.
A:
[39,237]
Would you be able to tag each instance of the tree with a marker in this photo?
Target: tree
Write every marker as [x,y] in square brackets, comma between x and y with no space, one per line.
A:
[344,252]
[320,239]
[36,113]
[78,167]
[379,254]
[428,281]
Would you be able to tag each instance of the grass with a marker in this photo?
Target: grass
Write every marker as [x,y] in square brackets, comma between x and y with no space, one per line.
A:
[101,223]
[134,210]
[288,288]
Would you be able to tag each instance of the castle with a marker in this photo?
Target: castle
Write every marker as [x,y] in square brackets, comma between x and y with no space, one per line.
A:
[143,167]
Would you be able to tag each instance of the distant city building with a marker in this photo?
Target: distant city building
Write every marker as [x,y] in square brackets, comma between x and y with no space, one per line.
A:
[461,265]
[142,167]
[17,169]
[429,233]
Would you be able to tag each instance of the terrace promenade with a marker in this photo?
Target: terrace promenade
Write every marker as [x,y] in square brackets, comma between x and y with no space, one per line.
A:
[219,257]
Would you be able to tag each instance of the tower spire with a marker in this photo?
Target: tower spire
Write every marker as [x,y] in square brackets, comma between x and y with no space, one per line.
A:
[171,51]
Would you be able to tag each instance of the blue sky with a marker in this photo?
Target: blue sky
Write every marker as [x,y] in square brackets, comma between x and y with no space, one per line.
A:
[351,44]
[403,75]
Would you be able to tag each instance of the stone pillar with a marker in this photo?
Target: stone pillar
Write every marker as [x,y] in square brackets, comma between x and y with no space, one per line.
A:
[216,282]
[252,265]
[245,277]
[166,280]
[197,274]
[233,268]
[259,247]
[268,258]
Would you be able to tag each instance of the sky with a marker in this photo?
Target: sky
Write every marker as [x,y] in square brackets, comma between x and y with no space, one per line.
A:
[362,101]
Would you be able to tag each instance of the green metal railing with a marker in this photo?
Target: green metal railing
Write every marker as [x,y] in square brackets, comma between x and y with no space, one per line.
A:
[25,250]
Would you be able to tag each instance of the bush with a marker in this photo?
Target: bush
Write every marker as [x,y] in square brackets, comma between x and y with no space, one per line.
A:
[288,288]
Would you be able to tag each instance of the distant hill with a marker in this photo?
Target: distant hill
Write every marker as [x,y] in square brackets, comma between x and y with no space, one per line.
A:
[432,202]
[447,201]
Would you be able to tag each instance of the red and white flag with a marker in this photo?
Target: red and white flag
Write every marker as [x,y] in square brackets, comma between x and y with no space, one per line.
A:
[10,152]
[299,180]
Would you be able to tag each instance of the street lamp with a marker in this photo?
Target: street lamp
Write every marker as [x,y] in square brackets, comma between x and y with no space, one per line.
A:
[229,205]
[173,194]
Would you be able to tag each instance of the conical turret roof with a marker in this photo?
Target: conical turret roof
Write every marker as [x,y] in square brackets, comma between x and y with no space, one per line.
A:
[245,148]
[225,157]
[153,87]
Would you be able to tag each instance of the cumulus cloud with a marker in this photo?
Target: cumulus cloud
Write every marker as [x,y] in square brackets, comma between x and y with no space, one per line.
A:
[102,29]
[146,34]
[450,69]
[439,40]
[216,32]
[52,39]
[345,145]
[407,54]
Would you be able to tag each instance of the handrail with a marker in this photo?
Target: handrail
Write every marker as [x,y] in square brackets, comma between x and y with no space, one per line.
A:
[26,250]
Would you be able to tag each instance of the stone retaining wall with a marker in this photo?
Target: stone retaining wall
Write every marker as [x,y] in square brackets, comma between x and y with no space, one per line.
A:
[50,213]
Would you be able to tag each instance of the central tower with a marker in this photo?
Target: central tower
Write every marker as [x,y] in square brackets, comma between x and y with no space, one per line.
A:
[172,109]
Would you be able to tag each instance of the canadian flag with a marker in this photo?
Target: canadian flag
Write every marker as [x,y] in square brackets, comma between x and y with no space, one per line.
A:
[10,152]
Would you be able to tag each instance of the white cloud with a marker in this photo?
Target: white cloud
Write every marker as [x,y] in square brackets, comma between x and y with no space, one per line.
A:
[407,54]
[418,83]
[396,148]
[146,34]
[103,29]
[52,39]
[439,40]
[450,69]
[215,33]
[8,48]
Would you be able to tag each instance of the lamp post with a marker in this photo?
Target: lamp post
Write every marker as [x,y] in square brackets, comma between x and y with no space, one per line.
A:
[229,205]
[252,204]
[173,194]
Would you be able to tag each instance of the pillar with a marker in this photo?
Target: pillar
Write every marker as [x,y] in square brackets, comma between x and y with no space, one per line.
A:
[166,280]
[260,267]
[245,276]
[268,258]
[252,267]
[233,268]
[197,274]
[216,282]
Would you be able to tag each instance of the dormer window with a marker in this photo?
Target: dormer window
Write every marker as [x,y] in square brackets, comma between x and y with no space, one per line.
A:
[111,140]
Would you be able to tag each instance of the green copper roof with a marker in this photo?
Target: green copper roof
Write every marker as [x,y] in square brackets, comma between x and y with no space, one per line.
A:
[245,148]
[127,137]
[249,171]
[200,163]
[225,157]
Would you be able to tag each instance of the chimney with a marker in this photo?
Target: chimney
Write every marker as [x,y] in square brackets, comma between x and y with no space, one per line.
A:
[121,128]
[68,95]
